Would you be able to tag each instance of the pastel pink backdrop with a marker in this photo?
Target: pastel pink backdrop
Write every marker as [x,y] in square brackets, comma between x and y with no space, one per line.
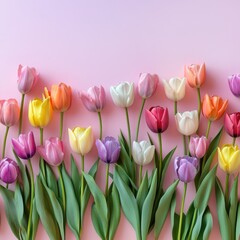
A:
[86,43]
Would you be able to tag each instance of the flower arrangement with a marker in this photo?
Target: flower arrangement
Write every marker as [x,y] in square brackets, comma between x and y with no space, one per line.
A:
[58,197]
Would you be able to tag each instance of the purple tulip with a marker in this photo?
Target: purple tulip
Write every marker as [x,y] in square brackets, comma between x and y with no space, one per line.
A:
[234,84]
[198,146]
[108,149]
[52,151]
[24,145]
[8,170]
[186,168]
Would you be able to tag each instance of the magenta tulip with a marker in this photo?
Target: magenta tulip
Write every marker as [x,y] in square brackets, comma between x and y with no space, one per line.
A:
[232,124]
[198,146]
[157,119]
[8,170]
[52,151]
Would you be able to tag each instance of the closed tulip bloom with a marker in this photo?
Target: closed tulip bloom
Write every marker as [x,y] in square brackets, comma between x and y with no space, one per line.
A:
[198,146]
[52,151]
[81,140]
[232,124]
[24,145]
[9,112]
[186,168]
[234,84]
[143,152]
[229,158]
[123,94]
[175,88]
[213,107]
[61,97]
[157,119]
[108,149]
[187,122]
[27,77]
[195,75]
[40,112]
[94,99]
[8,170]
[147,84]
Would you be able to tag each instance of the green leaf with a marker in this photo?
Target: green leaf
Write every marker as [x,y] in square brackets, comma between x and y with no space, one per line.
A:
[35,220]
[197,225]
[163,208]
[142,192]
[51,180]
[148,207]
[174,218]
[206,225]
[188,221]
[18,200]
[223,219]
[238,223]
[72,207]
[76,178]
[128,202]
[156,159]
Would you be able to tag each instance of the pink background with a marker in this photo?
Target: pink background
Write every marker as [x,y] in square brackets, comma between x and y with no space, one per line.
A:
[86,43]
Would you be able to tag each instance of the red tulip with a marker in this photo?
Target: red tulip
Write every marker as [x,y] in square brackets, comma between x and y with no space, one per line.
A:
[232,124]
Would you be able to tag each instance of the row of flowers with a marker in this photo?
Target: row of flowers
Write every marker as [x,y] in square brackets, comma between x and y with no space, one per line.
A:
[57,201]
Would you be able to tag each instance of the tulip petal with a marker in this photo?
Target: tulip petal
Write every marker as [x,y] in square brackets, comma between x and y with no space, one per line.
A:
[148,155]
[137,153]
[102,152]
[151,121]
[186,172]
[73,141]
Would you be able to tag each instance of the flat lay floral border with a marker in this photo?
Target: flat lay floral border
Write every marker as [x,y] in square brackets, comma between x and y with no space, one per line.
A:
[58,197]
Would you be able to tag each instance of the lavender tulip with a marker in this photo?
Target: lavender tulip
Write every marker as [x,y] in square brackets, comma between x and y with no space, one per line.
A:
[108,149]
[234,84]
[186,168]
[8,170]
[24,145]
[198,146]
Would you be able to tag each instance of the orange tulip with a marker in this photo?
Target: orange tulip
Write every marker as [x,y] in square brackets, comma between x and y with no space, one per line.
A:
[213,107]
[61,97]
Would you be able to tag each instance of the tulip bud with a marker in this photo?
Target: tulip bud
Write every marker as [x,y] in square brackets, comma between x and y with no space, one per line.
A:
[213,107]
[143,152]
[24,145]
[187,122]
[27,77]
[232,124]
[94,99]
[157,119]
[234,84]
[198,146]
[229,158]
[9,112]
[108,149]
[186,168]
[8,170]
[175,88]
[147,84]
[123,94]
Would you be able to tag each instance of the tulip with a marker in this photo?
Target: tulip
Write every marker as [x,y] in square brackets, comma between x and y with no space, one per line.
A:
[94,99]
[40,112]
[27,78]
[52,151]
[24,145]
[147,84]
[234,84]
[198,146]
[123,94]
[157,119]
[187,122]
[81,140]
[195,75]
[8,170]
[232,124]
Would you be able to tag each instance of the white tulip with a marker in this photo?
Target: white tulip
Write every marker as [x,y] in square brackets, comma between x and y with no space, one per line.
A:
[187,122]
[123,94]
[175,88]
[142,152]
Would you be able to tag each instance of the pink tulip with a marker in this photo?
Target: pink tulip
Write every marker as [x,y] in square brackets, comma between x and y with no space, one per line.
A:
[147,84]
[52,151]
[27,77]
[198,146]
[94,99]
[9,112]
[232,124]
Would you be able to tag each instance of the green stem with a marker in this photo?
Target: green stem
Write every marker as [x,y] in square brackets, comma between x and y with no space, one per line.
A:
[184,144]
[175,107]
[208,128]
[234,141]
[199,103]
[63,189]
[42,163]
[100,125]
[139,118]
[21,115]
[160,153]
[140,175]
[82,179]
[227,189]
[61,125]
[129,132]
[106,185]
[181,211]
[5,141]
[192,224]
[31,201]
[188,151]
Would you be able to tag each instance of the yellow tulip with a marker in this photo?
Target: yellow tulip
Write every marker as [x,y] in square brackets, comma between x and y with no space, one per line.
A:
[81,140]
[229,158]
[40,112]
